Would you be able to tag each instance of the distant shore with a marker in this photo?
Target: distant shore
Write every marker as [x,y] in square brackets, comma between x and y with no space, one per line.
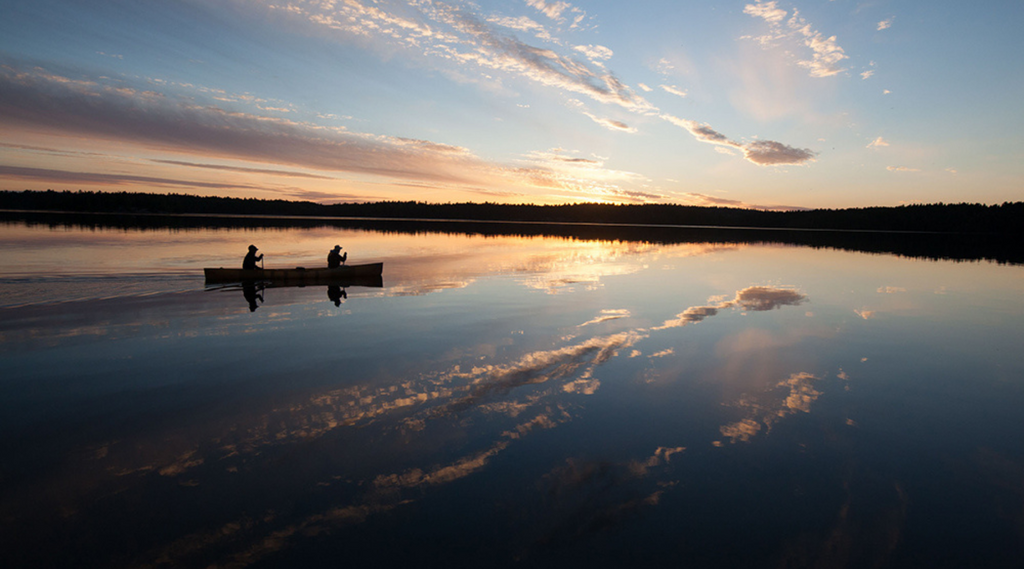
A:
[1006,218]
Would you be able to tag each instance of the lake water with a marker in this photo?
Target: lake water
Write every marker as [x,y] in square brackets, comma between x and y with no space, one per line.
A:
[505,401]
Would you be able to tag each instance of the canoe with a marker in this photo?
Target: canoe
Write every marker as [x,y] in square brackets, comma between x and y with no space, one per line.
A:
[298,275]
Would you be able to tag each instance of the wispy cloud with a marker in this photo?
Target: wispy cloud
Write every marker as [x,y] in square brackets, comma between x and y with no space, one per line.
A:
[454,39]
[607,315]
[754,298]
[595,52]
[242,170]
[586,177]
[760,152]
[878,143]
[459,37]
[706,200]
[552,10]
[792,395]
[901,169]
[523,24]
[825,53]
[885,24]
[611,124]
[42,102]
[105,179]
[674,90]
[769,11]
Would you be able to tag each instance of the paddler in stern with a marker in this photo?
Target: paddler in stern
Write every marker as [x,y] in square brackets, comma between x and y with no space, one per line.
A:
[335,259]
[249,263]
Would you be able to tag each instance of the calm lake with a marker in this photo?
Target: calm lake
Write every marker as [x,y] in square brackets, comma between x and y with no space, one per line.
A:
[505,399]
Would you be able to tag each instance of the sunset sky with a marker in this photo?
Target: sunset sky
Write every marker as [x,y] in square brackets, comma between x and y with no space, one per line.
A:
[776,104]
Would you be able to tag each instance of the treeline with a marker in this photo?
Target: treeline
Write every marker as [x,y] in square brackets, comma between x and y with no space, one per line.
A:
[946,218]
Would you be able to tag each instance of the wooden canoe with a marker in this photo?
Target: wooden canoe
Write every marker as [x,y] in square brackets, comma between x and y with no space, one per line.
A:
[298,275]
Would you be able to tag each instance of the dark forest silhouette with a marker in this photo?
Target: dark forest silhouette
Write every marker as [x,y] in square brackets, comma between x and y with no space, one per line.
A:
[1006,218]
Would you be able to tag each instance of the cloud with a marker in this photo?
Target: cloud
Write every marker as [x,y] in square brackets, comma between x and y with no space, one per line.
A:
[242,170]
[552,10]
[91,179]
[754,298]
[701,132]
[585,176]
[769,152]
[544,66]
[901,169]
[44,103]
[523,24]
[885,24]
[607,315]
[825,53]
[38,102]
[582,386]
[792,395]
[441,474]
[741,431]
[674,90]
[665,66]
[769,11]
[763,298]
[644,88]
[595,52]
[567,363]
[455,35]
[760,152]
[706,200]
[801,393]
[867,74]
[877,143]
[610,124]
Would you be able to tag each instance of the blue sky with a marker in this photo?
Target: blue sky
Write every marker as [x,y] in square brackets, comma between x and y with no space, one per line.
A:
[753,104]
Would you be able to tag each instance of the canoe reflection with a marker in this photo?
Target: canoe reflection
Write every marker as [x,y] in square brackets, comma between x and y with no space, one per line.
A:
[254,290]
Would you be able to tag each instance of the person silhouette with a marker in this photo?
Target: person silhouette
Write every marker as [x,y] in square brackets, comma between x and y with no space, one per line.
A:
[249,263]
[251,295]
[334,259]
[337,294]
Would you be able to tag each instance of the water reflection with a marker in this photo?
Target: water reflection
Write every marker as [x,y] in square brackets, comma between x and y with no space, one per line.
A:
[756,298]
[251,291]
[337,294]
[254,292]
[523,402]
